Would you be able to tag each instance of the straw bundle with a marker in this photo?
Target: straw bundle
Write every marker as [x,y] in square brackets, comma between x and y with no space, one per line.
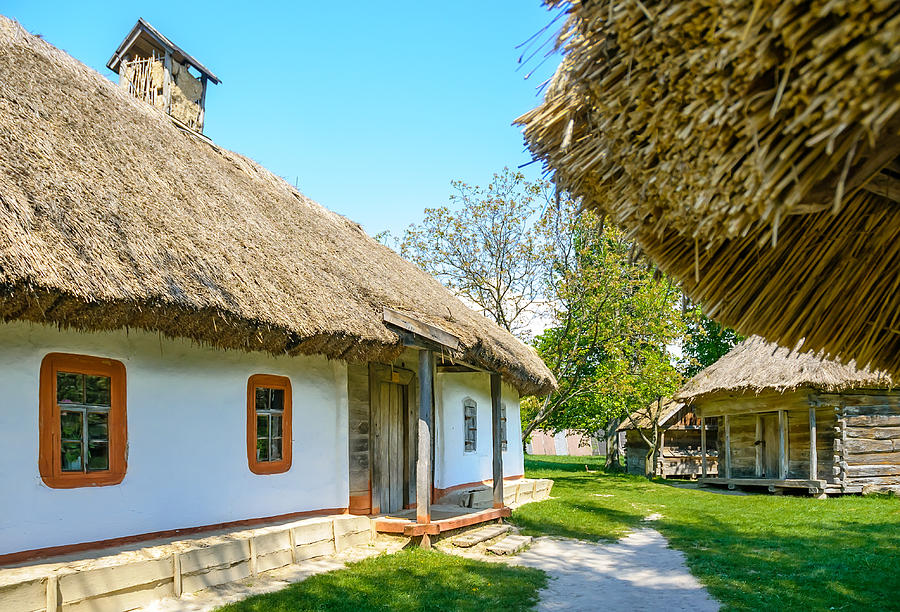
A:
[110,218]
[735,141]
[756,365]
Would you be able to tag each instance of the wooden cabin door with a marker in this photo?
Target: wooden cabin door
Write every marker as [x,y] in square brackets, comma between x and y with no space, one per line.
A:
[391,460]
[770,445]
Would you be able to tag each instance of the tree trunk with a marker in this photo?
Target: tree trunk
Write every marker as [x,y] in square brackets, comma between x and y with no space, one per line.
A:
[650,463]
[612,447]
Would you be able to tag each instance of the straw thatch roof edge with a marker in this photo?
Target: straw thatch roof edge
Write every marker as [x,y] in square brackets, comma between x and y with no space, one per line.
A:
[756,366]
[112,218]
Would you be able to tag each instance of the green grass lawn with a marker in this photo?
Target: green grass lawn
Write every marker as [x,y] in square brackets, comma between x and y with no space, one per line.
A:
[752,552]
[410,580]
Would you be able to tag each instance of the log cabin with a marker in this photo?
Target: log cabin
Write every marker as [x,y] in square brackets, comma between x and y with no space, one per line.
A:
[678,452]
[792,420]
[189,343]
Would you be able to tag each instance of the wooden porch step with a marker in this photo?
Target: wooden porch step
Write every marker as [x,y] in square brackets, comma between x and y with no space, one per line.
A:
[510,545]
[480,535]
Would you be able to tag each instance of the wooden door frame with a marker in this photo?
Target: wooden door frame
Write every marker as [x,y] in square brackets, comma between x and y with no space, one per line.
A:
[379,373]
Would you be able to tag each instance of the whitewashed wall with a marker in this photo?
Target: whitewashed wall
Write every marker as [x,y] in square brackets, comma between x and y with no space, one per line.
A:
[187,457]
[453,466]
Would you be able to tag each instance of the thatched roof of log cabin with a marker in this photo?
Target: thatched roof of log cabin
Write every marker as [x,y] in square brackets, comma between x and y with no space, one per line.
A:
[754,366]
[111,218]
[643,419]
[751,148]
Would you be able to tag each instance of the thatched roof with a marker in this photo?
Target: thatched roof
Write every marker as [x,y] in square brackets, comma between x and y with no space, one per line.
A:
[643,419]
[755,366]
[751,148]
[111,217]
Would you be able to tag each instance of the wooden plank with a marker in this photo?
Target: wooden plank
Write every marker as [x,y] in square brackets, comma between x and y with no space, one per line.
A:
[374,424]
[227,553]
[496,439]
[206,578]
[202,116]
[727,424]
[273,560]
[316,549]
[313,532]
[423,461]
[704,467]
[875,420]
[874,458]
[782,445]
[420,328]
[127,600]
[874,433]
[85,584]
[167,82]
[778,482]
[854,471]
[28,596]
[869,445]
[813,452]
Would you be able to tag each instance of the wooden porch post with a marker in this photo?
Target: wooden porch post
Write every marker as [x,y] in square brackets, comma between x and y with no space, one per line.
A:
[167,83]
[782,443]
[758,444]
[202,116]
[727,447]
[423,460]
[497,442]
[813,453]
[703,447]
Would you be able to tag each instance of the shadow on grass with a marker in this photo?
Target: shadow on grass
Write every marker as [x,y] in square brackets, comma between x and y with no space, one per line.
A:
[407,581]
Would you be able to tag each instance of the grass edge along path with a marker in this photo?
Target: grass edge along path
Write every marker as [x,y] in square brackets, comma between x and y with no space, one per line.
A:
[750,551]
[407,581]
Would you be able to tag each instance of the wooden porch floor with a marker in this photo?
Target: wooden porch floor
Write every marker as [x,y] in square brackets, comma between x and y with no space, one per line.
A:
[443,518]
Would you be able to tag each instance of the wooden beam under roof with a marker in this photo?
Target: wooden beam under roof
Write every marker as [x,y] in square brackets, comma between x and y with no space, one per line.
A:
[421,329]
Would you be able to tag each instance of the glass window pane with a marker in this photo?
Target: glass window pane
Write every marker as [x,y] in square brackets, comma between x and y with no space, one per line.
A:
[71,456]
[98,456]
[262,449]
[69,388]
[262,398]
[262,425]
[276,425]
[275,449]
[277,399]
[98,425]
[96,390]
[70,425]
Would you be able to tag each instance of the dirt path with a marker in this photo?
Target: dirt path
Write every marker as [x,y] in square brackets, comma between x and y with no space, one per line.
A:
[638,572]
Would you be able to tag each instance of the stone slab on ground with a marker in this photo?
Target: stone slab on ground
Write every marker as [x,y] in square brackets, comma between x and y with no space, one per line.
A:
[510,545]
[482,534]
[639,572]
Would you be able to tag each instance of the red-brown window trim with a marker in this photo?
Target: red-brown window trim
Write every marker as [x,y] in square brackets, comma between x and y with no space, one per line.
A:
[269,381]
[49,461]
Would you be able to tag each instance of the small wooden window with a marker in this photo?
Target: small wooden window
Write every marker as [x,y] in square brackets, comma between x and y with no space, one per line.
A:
[82,421]
[470,425]
[503,427]
[269,424]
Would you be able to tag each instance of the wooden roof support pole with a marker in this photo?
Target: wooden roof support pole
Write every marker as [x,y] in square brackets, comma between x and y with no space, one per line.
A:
[202,116]
[813,453]
[423,459]
[758,445]
[703,447]
[167,82]
[782,445]
[727,446]
[496,439]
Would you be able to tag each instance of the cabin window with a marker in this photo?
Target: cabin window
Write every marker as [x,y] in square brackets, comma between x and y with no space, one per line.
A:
[269,424]
[82,421]
[470,425]
[503,427]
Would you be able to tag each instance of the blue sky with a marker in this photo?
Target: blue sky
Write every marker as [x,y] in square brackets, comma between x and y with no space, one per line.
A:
[371,107]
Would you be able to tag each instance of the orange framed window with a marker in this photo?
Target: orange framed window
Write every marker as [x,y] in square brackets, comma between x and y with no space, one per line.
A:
[82,421]
[269,424]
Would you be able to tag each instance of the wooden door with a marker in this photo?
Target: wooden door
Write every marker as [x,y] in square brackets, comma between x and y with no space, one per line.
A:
[393,482]
[770,445]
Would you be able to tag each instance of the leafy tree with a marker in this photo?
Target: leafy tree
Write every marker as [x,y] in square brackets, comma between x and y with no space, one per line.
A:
[705,342]
[487,246]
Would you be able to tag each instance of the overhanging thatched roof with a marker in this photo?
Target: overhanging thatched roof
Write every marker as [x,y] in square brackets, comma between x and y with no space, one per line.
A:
[755,365]
[643,419]
[751,148]
[111,217]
